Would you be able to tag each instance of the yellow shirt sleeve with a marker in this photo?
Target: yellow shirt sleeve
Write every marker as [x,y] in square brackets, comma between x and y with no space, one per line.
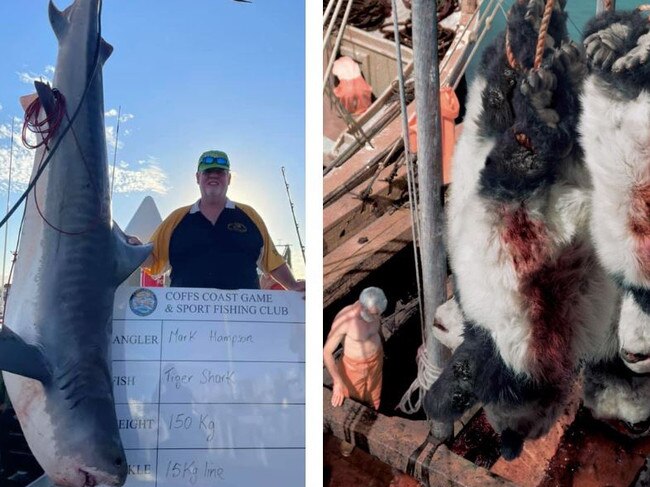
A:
[161,238]
[270,259]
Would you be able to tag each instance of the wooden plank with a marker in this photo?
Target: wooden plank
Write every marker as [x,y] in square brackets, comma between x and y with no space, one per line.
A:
[529,469]
[347,265]
[349,214]
[404,444]
[357,162]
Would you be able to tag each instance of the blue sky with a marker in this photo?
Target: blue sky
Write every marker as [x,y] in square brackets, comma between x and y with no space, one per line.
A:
[206,74]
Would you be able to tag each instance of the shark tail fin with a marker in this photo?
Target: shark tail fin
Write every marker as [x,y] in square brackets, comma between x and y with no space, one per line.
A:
[18,357]
[127,257]
[58,20]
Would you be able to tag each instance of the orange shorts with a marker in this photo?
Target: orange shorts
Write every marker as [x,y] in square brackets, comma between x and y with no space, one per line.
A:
[363,377]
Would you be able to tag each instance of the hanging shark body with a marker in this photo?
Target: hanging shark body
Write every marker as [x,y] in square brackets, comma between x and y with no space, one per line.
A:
[54,347]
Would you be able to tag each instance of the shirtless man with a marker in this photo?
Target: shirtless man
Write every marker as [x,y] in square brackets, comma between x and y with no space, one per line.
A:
[358,373]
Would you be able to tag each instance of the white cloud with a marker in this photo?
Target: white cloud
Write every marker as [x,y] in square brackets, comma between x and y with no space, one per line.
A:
[0,106]
[22,159]
[148,177]
[30,77]
[111,138]
[124,117]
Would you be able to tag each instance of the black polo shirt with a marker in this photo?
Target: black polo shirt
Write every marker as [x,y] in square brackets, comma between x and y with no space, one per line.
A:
[223,256]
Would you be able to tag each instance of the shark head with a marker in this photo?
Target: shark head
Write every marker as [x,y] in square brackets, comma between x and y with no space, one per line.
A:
[75,439]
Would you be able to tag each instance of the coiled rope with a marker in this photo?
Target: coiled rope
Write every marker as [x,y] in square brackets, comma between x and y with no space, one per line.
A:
[51,152]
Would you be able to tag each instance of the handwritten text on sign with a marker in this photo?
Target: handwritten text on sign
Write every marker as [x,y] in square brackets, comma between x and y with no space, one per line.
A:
[210,386]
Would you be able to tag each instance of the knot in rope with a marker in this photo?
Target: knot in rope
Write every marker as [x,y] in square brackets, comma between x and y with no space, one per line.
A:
[541,40]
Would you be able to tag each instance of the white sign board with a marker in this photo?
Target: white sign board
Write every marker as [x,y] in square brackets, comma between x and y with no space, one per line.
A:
[210,386]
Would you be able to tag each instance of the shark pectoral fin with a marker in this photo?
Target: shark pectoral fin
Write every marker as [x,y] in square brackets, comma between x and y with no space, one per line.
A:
[127,257]
[46,96]
[58,20]
[20,358]
[27,100]
[105,50]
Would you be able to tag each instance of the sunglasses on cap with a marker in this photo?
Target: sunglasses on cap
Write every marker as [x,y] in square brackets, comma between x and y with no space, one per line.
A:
[214,160]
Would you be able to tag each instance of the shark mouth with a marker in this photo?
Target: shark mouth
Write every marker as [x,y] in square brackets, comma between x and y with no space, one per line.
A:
[91,481]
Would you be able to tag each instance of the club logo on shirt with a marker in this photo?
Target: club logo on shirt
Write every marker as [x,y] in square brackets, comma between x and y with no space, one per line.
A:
[237,227]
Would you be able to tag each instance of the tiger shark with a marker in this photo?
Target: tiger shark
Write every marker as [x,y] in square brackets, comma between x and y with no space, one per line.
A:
[54,345]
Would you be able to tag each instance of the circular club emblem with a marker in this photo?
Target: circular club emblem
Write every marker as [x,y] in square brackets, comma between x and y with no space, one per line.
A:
[143,302]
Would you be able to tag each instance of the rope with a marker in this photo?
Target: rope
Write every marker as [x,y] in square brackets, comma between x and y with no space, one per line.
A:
[609,6]
[47,127]
[427,375]
[66,129]
[413,198]
[541,39]
[512,61]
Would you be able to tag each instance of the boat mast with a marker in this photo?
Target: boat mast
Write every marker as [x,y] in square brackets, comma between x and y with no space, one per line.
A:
[117,135]
[432,246]
[293,214]
[11,156]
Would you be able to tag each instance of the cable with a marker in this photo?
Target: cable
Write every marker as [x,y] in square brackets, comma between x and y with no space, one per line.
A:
[32,183]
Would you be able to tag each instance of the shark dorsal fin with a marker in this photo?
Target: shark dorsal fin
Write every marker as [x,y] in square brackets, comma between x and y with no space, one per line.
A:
[127,257]
[59,20]
[105,50]
[46,96]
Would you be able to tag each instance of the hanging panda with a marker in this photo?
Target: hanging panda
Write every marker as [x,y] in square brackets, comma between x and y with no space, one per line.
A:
[615,134]
[534,298]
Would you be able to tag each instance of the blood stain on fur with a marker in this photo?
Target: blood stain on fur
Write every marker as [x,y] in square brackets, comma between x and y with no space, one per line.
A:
[639,224]
[525,239]
[550,288]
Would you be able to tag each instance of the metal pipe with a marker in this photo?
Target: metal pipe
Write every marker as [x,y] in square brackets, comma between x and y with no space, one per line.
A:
[117,138]
[344,22]
[11,156]
[434,267]
[339,4]
[293,214]
[328,10]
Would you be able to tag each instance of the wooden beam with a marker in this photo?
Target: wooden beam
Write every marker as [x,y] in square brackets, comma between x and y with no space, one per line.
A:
[406,445]
[349,214]
[355,259]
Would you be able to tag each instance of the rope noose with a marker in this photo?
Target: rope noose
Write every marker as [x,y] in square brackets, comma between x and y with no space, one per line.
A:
[541,39]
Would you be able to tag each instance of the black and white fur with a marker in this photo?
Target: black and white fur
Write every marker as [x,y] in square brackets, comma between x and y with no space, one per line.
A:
[542,180]
[615,133]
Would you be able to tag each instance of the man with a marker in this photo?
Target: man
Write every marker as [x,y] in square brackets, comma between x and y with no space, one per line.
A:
[216,242]
[359,371]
